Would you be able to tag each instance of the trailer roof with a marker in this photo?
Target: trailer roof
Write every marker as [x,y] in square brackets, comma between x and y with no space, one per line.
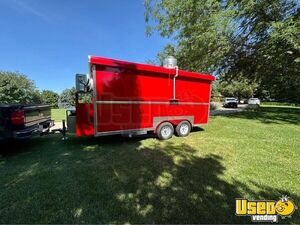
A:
[146,67]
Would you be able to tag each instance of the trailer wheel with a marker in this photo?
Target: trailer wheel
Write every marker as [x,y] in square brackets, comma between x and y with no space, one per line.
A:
[183,129]
[165,131]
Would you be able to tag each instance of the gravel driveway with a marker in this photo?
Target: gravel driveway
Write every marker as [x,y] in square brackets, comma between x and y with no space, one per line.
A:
[223,110]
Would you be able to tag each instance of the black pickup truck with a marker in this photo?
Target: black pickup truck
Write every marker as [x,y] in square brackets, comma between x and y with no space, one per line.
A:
[22,121]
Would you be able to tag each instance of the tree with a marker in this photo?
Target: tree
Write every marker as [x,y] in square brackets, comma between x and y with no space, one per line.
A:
[50,98]
[251,40]
[201,30]
[37,98]
[17,88]
[239,89]
[267,50]
[67,98]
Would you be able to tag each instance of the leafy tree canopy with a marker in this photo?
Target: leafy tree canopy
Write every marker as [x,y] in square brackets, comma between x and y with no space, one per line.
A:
[67,98]
[17,88]
[49,97]
[257,41]
[240,89]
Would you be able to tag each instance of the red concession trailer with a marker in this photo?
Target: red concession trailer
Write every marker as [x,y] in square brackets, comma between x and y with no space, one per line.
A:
[132,98]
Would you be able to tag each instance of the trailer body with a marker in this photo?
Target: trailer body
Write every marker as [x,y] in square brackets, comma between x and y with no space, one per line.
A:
[132,98]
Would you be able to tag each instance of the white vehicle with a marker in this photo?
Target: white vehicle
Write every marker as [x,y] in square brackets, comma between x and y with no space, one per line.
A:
[230,103]
[253,101]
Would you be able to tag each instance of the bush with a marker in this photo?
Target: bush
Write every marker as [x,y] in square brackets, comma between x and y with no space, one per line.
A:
[214,105]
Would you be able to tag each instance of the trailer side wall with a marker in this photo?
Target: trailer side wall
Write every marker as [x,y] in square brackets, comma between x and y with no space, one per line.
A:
[138,97]
[131,99]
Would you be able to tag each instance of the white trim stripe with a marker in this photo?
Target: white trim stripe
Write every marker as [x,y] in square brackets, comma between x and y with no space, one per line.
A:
[152,102]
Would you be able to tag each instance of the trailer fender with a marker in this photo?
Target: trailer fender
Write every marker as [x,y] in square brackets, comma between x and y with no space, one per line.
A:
[174,122]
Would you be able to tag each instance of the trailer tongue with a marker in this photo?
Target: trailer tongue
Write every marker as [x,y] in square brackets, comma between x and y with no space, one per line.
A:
[131,98]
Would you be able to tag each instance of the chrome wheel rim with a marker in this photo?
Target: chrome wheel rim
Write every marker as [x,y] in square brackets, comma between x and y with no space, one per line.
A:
[184,129]
[166,131]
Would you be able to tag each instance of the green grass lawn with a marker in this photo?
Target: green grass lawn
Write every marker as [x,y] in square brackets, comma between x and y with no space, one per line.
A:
[253,154]
[58,114]
[280,104]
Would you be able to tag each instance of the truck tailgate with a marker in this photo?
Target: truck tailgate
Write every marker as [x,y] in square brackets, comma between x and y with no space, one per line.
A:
[36,114]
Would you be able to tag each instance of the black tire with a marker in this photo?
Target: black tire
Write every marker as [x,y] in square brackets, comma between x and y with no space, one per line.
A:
[165,131]
[179,129]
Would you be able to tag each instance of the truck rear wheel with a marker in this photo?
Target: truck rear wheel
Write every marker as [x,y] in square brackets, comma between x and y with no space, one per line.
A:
[183,129]
[165,131]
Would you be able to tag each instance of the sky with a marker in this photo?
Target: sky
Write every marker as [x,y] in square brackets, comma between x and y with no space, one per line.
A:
[50,40]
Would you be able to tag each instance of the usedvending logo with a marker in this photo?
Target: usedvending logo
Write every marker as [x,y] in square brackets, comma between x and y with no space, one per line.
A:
[265,210]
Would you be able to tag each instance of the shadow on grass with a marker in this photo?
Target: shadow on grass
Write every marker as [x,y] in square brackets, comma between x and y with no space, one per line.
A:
[269,115]
[119,180]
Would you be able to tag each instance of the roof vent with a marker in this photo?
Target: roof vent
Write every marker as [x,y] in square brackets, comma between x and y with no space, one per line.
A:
[170,62]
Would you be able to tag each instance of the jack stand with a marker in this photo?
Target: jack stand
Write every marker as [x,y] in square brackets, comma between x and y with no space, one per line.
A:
[64,130]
